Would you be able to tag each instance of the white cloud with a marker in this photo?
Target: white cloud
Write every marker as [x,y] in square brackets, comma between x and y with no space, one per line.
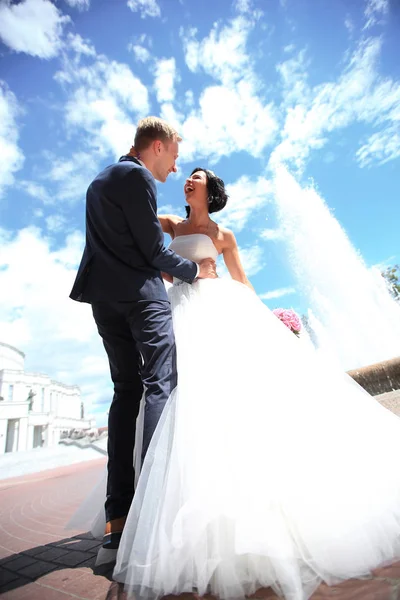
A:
[170,209]
[79,45]
[11,157]
[224,121]
[147,8]
[56,223]
[293,73]
[36,315]
[32,26]
[246,197]
[278,293]
[170,114]
[144,39]
[380,147]
[165,76]
[71,175]
[348,23]
[189,98]
[271,234]
[140,47]
[375,10]
[245,7]
[81,5]
[360,94]
[105,99]
[37,191]
[140,53]
[289,48]
[222,54]
[252,260]
[242,6]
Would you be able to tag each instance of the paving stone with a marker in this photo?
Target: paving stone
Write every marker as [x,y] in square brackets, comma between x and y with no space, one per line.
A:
[389,572]
[19,563]
[51,554]
[5,554]
[264,593]
[35,551]
[116,592]
[37,569]
[72,559]
[355,589]
[60,578]
[7,576]
[9,558]
[22,591]
[88,587]
[62,566]
[82,545]
[84,536]
[18,546]
[39,592]
[90,563]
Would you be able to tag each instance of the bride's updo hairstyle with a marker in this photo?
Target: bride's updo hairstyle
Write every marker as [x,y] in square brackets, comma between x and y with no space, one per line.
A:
[217,196]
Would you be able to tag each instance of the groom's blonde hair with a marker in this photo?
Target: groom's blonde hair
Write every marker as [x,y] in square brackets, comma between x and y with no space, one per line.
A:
[151,129]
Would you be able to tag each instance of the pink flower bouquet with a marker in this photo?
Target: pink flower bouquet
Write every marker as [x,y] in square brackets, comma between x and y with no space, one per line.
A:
[289,318]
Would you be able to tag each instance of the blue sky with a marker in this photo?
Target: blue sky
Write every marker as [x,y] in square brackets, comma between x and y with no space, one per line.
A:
[311,88]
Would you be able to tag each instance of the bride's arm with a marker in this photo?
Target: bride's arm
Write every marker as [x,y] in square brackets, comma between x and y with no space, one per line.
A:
[166,224]
[232,260]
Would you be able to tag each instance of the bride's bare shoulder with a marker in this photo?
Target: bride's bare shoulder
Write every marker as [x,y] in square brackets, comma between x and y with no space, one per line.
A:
[227,237]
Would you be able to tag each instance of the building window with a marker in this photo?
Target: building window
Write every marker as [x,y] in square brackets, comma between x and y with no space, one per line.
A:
[42,400]
[12,435]
[10,393]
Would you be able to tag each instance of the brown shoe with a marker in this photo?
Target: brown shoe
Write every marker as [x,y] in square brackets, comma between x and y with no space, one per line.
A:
[113,533]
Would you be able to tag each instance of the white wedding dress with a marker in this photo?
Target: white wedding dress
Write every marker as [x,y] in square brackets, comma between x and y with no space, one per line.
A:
[268,467]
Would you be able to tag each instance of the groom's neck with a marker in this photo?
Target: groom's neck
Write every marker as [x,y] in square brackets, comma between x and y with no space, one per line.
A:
[145,160]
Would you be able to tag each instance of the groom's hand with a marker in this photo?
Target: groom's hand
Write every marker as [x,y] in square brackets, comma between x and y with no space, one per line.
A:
[208,269]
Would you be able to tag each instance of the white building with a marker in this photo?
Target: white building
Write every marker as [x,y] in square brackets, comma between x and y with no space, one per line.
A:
[34,409]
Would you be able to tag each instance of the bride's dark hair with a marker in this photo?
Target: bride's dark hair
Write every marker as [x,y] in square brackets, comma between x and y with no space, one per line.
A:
[217,196]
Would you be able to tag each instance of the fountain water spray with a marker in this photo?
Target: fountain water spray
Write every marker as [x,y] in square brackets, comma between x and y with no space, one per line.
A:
[352,315]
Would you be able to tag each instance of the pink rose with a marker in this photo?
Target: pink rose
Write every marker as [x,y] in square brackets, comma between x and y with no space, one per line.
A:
[289,318]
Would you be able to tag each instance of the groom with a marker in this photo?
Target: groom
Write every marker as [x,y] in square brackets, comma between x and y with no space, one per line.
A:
[120,276]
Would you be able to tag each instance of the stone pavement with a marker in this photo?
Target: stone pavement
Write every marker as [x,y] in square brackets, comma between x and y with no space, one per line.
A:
[39,559]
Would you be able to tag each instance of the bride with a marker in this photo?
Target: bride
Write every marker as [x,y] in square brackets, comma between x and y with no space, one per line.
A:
[268,467]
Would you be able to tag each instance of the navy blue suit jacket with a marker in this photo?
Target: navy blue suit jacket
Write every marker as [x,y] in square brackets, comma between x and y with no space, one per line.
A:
[125,252]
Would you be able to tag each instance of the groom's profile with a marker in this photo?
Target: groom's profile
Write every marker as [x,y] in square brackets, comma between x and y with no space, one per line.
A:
[120,276]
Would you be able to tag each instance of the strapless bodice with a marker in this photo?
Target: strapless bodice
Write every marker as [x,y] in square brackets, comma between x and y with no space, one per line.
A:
[195,246]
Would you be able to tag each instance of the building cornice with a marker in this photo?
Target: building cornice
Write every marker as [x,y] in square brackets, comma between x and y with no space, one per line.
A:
[12,348]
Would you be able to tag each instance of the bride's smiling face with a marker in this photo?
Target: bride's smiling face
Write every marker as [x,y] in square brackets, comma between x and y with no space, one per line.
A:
[195,189]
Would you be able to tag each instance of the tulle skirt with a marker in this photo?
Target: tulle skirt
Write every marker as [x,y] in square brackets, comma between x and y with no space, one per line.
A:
[268,467]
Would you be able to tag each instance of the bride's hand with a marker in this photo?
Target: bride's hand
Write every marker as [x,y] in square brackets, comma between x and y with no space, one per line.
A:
[134,152]
[208,269]
[167,277]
